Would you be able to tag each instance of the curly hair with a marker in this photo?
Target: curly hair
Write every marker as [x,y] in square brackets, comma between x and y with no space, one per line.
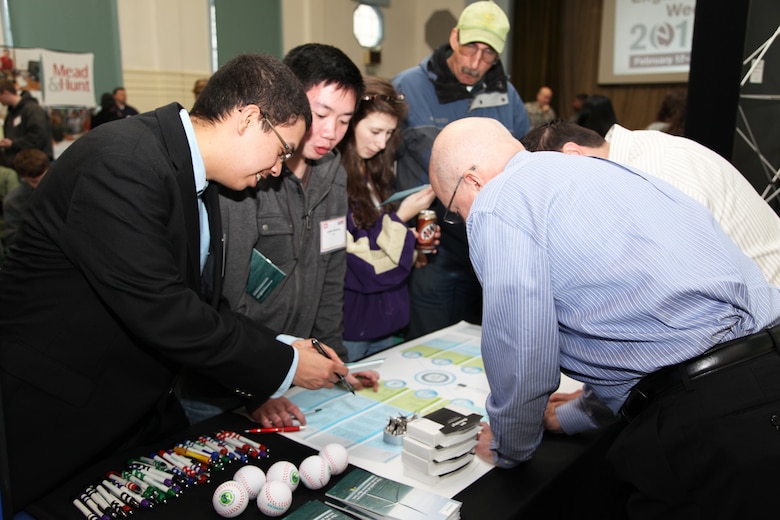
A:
[31,163]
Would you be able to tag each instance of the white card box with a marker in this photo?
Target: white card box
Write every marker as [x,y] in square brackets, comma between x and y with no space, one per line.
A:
[435,468]
[447,426]
[442,454]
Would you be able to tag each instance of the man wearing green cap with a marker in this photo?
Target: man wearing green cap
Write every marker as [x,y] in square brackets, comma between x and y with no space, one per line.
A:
[462,78]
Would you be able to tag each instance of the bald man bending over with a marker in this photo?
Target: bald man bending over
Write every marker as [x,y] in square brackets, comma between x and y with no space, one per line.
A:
[622,282]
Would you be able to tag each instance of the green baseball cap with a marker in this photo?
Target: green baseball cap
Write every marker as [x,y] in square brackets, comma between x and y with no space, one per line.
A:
[483,22]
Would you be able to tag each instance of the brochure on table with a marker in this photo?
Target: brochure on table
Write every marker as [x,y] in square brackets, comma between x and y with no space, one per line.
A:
[419,376]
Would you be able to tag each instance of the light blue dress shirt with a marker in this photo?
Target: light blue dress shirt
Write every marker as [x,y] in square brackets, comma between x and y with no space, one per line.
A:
[601,272]
[199,169]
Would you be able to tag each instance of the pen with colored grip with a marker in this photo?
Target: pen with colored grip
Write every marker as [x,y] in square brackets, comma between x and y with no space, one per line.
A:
[343,379]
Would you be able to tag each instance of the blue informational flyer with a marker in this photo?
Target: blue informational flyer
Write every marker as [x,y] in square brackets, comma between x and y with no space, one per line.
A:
[420,376]
[402,194]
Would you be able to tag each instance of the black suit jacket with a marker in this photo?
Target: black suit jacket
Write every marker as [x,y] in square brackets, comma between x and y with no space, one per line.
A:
[100,305]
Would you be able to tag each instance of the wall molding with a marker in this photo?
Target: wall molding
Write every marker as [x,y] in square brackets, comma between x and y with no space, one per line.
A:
[148,89]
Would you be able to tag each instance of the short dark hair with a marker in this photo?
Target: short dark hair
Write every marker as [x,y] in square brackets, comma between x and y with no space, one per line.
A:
[316,63]
[107,101]
[254,79]
[553,135]
[597,114]
[7,85]
[672,111]
[31,163]
[117,89]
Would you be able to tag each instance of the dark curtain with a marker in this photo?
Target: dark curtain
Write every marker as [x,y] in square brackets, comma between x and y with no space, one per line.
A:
[556,42]
[536,48]
[716,52]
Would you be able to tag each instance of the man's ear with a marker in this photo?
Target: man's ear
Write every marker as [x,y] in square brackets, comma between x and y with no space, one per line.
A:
[570,148]
[454,38]
[473,179]
[248,116]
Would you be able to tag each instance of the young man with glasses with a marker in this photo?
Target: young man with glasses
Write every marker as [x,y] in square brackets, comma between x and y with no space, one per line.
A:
[102,297]
[462,78]
[297,222]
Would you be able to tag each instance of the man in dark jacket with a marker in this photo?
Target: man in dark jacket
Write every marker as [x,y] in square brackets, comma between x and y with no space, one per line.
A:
[26,124]
[462,78]
[296,221]
[114,283]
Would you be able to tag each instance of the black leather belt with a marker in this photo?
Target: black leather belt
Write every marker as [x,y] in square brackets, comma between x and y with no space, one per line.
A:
[718,358]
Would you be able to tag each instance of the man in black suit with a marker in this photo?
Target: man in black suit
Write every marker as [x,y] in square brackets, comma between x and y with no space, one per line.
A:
[114,282]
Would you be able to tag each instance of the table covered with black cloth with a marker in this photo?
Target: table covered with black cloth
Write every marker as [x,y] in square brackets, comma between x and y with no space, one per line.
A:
[567,478]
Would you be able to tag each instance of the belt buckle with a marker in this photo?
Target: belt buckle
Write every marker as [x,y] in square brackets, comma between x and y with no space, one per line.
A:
[636,402]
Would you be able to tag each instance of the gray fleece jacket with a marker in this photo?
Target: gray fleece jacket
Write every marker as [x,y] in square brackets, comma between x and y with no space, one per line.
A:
[283,222]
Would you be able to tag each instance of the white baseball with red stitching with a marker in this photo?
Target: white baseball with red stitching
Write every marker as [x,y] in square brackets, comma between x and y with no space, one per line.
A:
[337,458]
[274,499]
[230,499]
[284,471]
[252,478]
[314,472]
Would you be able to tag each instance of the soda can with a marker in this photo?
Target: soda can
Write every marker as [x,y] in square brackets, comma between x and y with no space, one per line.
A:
[426,231]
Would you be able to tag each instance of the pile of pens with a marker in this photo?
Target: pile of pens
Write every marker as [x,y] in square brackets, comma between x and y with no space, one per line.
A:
[154,479]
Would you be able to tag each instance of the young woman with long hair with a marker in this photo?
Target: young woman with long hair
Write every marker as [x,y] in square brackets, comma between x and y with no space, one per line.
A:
[380,246]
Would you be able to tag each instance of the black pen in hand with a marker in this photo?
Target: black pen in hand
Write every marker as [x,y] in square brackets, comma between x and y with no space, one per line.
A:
[343,379]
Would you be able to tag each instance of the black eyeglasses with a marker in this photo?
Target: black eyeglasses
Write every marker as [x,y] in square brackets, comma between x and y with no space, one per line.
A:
[453,217]
[288,151]
[489,55]
[398,98]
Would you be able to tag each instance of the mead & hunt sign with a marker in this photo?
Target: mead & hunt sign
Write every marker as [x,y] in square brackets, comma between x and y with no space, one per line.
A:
[57,79]
[68,79]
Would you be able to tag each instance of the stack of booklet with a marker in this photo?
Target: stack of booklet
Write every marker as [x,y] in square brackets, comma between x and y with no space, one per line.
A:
[316,510]
[371,497]
[440,444]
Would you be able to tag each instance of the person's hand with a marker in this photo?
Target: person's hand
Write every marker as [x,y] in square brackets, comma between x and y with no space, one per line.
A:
[315,370]
[483,443]
[551,422]
[278,412]
[422,258]
[364,379]
[420,261]
[308,344]
[5,143]
[413,204]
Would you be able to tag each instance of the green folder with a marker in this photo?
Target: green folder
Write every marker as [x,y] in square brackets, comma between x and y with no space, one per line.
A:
[263,276]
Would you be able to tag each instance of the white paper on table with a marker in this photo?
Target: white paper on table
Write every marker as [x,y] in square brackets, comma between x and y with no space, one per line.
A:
[439,368]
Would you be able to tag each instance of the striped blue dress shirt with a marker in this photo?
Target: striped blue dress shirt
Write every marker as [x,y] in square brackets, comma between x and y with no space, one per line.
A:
[604,273]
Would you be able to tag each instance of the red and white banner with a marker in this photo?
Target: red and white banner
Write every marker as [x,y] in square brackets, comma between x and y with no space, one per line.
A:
[57,79]
[67,79]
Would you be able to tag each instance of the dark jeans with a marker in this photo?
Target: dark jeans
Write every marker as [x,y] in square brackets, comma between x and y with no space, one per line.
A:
[443,293]
[709,450]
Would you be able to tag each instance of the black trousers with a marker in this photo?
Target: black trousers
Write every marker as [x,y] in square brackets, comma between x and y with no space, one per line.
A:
[710,449]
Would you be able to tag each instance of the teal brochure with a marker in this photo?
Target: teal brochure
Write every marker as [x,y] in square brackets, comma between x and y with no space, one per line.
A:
[263,276]
[403,194]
